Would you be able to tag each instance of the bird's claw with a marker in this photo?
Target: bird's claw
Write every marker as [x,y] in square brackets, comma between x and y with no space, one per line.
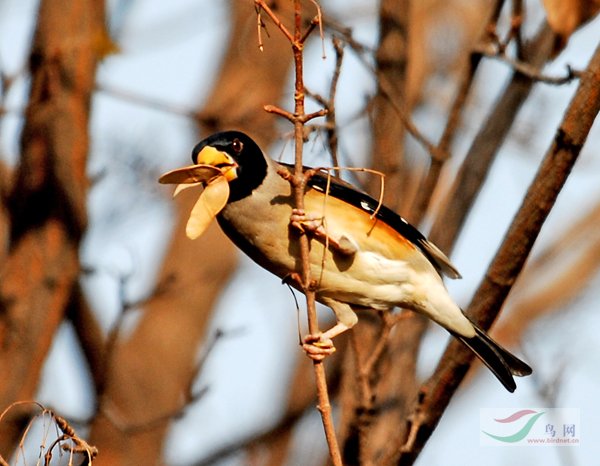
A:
[317,347]
[306,223]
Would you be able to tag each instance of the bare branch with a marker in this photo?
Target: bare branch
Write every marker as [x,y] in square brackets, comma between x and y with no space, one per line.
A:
[328,103]
[298,182]
[47,207]
[526,69]
[485,146]
[554,277]
[570,137]
[260,5]
[386,88]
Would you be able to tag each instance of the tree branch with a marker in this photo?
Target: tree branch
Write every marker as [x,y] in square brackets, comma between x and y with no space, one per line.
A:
[430,181]
[555,277]
[47,201]
[473,172]
[570,137]
[298,182]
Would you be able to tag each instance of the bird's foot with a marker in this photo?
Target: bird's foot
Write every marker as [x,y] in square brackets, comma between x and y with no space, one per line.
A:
[318,347]
[306,223]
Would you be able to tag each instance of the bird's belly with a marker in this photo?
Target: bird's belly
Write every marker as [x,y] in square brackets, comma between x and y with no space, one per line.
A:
[364,279]
[367,279]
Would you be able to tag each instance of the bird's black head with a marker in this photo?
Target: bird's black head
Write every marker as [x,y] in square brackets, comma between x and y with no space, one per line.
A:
[238,157]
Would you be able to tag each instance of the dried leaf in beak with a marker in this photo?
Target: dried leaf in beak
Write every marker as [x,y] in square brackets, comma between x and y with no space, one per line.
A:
[191,174]
[183,187]
[209,204]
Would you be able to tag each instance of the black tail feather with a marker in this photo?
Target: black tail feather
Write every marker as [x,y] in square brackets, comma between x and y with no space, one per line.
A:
[500,361]
[517,366]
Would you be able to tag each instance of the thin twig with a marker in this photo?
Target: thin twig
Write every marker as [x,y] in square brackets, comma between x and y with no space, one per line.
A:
[484,147]
[261,5]
[146,101]
[389,321]
[328,103]
[386,88]
[525,69]
[79,445]
[298,182]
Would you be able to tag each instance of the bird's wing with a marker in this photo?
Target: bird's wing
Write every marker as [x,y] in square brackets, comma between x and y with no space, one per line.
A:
[345,192]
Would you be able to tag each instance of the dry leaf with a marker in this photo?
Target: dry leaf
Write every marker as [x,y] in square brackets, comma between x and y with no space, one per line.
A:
[209,204]
[183,187]
[211,200]
[191,174]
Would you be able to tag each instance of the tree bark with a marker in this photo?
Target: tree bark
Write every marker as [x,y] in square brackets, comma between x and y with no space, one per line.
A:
[558,162]
[46,205]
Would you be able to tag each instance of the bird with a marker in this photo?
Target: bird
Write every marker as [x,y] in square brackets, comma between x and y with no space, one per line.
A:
[363,255]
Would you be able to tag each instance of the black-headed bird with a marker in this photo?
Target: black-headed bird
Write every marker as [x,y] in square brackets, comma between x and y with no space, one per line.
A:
[362,254]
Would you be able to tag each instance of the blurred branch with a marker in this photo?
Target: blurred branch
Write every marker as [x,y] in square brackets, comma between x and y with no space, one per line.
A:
[383,362]
[390,117]
[5,188]
[174,323]
[189,397]
[91,337]
[328,104]
[516,21]
[147,101]
[524,68]
[554,277]
[385,86]
[47,201]
[484,148]
[430,181]
[554,170]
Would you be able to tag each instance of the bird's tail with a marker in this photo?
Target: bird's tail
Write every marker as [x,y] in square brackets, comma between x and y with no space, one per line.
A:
[499,360]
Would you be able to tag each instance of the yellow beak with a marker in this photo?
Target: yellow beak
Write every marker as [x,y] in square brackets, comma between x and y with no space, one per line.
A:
[221,160]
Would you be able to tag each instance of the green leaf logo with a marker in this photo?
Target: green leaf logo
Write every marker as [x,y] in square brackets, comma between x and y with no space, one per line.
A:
[521,433]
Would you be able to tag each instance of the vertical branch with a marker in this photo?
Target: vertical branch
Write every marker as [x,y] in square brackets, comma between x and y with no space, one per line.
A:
[299,186]
[47,201]
[389,115]
[328,104]
[298,183]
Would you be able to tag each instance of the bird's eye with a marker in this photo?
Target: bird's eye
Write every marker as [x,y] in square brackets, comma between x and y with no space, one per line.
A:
[237,146]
